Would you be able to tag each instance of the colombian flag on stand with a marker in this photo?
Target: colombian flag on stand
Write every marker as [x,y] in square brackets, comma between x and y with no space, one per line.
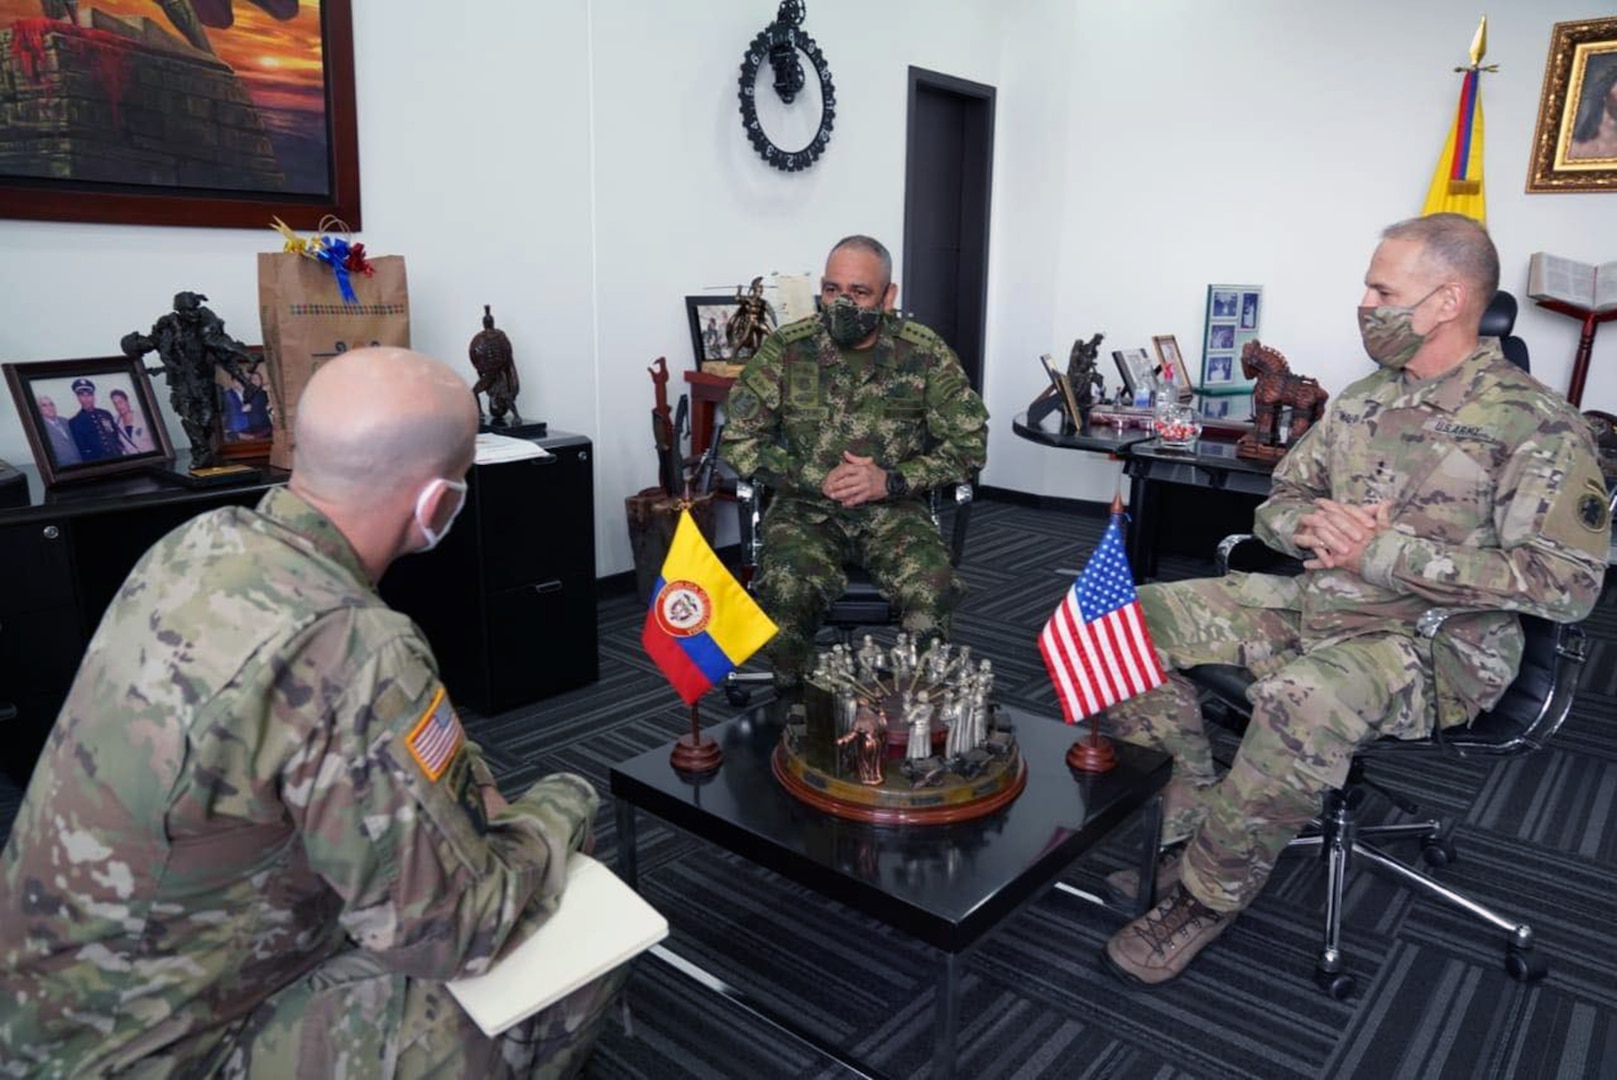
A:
[701,624]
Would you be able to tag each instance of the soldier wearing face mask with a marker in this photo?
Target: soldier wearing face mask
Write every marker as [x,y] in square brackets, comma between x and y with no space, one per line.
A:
[259,841]
[849,416]
[1447,477]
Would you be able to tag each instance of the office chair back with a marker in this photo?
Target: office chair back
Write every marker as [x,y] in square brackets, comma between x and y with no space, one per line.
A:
[1498,321]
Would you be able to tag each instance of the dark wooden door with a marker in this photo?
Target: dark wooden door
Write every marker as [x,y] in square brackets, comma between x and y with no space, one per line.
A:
[947,192]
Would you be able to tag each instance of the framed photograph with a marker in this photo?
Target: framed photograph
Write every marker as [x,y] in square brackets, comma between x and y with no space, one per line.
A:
[1234,313]
[1219,370]
[244,113]
[1575,143]
[709,318]
[88,418]
[1137,369]
[1169,356]
[1064,390]
[245,430]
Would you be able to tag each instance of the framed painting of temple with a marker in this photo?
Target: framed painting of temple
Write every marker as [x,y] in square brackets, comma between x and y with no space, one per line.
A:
[189,112]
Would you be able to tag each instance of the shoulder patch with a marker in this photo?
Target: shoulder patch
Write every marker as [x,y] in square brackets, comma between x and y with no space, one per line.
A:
[437,737]
[916,334]
[802,328]
[1594,511]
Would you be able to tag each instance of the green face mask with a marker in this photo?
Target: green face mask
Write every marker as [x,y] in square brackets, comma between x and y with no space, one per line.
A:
[847,322]
[1389,333]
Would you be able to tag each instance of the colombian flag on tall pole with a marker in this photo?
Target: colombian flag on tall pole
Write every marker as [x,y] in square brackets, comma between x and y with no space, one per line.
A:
[1457,181]
[701,624]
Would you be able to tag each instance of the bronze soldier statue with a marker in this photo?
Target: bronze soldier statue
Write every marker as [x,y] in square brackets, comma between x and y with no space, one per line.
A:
[192,344]
[1081,371]
[496,372]
[750,324]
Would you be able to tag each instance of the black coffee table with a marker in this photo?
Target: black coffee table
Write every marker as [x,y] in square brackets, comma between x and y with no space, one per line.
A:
[1016,853]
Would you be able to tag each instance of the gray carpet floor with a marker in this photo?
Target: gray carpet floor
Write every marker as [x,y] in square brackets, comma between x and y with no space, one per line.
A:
[1534,836]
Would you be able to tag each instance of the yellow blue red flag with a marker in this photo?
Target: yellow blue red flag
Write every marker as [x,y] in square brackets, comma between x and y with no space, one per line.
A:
[701,624]
[1457,186]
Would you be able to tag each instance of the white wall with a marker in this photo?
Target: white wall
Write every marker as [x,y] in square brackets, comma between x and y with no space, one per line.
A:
[579,164]
[1250,141]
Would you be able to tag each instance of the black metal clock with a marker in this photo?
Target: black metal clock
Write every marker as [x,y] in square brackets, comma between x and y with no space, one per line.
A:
[780,43]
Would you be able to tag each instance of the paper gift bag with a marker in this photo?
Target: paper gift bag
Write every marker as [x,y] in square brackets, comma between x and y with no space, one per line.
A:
[306,323]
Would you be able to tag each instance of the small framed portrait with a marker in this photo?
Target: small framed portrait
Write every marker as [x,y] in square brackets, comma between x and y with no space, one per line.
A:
[1169,357]
[246,422]
[1225,303]
[1221,336]
[709,318]
[88,418]
[1219,369]
[1249,311]
[1137,369]
[1575,144]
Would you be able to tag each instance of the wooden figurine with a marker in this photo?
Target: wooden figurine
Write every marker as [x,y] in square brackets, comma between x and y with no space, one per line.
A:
[1277,389]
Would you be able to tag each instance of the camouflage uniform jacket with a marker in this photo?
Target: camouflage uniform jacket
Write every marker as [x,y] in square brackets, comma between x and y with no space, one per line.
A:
[1497,505]
[905,401]
[256,768]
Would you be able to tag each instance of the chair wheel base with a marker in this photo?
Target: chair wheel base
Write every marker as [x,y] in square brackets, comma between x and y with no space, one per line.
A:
[1438,852]
[1525,965]
[1339,984]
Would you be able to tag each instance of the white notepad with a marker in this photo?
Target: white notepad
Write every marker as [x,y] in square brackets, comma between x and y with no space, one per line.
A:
[600,923]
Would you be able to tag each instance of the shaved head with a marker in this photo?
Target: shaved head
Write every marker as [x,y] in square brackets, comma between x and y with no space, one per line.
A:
[375,423]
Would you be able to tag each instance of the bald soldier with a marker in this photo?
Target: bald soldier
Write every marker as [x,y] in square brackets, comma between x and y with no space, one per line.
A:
[850,416]
[1447,478]
[258,841]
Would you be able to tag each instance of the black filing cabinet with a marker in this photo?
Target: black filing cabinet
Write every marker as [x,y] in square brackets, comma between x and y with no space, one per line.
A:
[508,598]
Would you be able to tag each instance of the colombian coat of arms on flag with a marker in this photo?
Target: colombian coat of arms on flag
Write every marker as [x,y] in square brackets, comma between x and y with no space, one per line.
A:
[701,624]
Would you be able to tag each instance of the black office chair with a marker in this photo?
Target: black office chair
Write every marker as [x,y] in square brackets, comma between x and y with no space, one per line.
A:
[1498,321]
[1533,708]
[861,604]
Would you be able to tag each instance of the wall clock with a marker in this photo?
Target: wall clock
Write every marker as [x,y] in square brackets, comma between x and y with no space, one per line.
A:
[783,44]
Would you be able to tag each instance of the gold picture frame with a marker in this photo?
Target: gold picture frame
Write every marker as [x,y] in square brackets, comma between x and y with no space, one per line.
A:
[1170,356]
[1575,143]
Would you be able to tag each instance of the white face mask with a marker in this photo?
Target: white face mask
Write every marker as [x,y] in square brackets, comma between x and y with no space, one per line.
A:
[435,538]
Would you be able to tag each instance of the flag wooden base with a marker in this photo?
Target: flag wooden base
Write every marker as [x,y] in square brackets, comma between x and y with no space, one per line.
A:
[698,755]
[1093,755]
[694,752]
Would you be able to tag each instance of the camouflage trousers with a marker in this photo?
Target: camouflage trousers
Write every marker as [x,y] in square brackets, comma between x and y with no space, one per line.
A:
[353,1017]
[1313,704]
[801,570]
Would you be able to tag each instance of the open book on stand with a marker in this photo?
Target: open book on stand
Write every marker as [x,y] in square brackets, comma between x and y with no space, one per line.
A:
[1579,285]
[599,924]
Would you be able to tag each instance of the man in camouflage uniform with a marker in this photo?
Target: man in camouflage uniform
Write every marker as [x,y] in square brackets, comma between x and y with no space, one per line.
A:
[1448,478]
[849,417]
[258,841]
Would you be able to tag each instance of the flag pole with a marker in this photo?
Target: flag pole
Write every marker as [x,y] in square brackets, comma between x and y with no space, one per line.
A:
[695,752]
[1095,754]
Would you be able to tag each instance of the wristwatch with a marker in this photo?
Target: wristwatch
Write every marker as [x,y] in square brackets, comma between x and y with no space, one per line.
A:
[897,486]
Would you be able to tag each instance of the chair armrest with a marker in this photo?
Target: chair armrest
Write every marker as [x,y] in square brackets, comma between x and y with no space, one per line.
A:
[1246,553]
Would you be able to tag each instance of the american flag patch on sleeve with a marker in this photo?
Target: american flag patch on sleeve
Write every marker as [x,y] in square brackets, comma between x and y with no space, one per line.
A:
[436,737]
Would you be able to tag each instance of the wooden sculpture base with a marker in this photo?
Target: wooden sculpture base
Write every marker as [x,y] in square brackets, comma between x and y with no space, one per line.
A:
[1248,446]
[895,801]
[696,755]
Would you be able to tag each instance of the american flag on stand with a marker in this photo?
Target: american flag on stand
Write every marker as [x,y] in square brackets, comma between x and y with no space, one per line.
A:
[1096,645]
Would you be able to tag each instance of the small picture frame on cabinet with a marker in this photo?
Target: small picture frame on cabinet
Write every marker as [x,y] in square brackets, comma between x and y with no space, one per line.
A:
[89,418]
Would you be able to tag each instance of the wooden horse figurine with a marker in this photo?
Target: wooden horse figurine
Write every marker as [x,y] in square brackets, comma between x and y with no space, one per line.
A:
[1277,389]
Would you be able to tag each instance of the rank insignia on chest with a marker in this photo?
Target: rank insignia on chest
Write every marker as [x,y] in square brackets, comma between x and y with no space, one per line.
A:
[436,736]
